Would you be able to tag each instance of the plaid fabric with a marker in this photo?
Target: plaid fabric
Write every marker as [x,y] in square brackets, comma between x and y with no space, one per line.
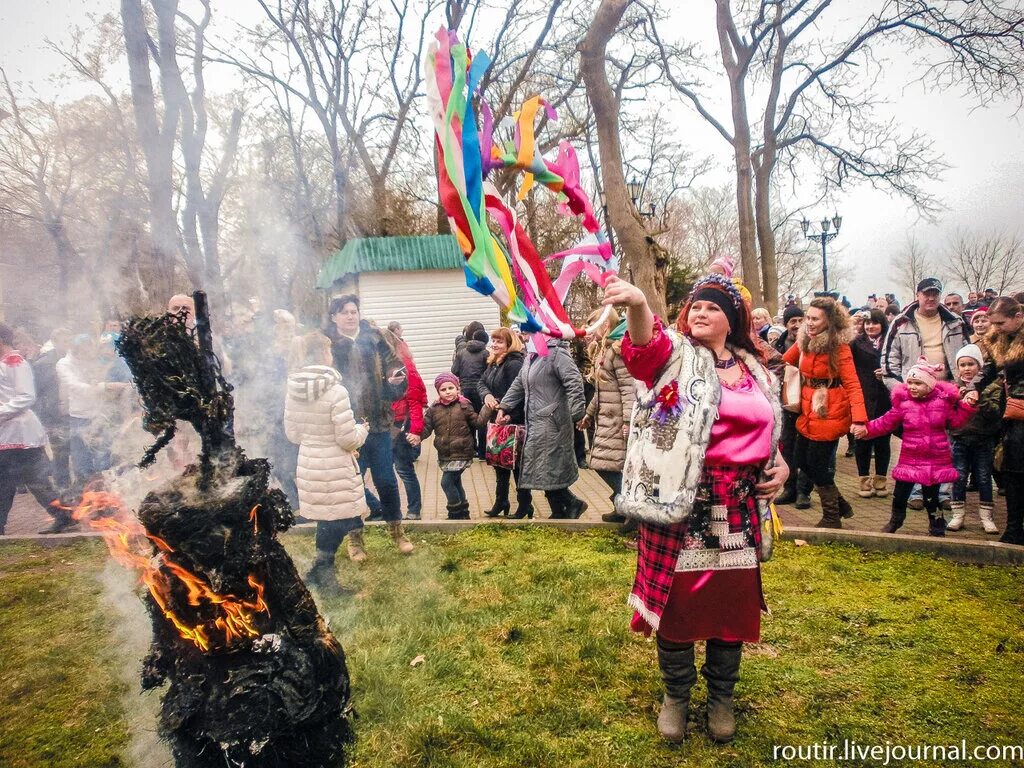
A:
[722,532]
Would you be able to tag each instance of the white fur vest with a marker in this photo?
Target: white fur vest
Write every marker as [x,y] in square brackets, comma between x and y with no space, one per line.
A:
[665,451]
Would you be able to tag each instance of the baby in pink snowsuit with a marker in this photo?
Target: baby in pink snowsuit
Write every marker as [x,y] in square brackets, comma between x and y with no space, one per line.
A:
[925,407]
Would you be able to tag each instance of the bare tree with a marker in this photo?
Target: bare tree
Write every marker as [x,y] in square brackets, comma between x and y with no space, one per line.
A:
[818,99]
[644,258]
[912,264]
[980,261]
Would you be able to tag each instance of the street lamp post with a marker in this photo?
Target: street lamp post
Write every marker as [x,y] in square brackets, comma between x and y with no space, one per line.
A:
[636,190]
[824,237]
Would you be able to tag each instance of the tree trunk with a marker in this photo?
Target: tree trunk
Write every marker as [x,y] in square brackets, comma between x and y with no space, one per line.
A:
[645,262]
[157,146]
[766,235]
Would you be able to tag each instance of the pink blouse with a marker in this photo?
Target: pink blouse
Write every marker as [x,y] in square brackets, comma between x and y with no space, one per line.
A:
[742,433]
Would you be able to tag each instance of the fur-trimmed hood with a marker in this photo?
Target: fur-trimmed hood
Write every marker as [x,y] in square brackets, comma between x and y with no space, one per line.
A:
[823,343]
[1005,349]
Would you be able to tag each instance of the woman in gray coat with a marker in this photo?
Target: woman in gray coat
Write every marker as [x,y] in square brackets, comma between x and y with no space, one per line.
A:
[550,389]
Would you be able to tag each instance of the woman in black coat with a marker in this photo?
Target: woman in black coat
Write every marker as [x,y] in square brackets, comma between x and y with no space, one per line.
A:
[867,358]
[469,365]
[503,365]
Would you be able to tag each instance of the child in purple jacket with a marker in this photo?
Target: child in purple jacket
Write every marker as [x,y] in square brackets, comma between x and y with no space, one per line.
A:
[925,407]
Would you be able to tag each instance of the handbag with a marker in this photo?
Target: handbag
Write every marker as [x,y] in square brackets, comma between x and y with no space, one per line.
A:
[791,386]
[1014,410]
[504,444]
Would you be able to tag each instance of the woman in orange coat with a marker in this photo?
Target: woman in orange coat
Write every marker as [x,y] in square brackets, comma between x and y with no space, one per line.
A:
[830,401]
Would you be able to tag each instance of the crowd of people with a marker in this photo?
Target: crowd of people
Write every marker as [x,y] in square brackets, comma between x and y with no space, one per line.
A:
[695,426]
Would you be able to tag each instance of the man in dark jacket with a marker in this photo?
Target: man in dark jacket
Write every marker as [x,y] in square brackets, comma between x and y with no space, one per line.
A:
[469,364]
[374,377]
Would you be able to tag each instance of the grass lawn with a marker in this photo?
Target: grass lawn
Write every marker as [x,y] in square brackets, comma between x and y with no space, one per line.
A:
[529,662]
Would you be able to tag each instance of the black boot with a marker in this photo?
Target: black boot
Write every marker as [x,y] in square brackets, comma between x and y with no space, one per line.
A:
[455,511]
[575,508]
[62,521]
[804,486]
[322,576]
[896,519]
[498,509]
[464,510]
[936,525]
[788,495]
[722,672]
[679,673]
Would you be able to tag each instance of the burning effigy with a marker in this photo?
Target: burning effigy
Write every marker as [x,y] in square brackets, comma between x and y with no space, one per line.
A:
[254,676]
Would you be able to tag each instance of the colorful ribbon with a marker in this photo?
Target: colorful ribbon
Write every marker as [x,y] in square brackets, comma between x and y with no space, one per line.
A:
[510,272]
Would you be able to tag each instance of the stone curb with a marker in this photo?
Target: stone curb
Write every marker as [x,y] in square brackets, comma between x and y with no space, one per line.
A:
[961,551]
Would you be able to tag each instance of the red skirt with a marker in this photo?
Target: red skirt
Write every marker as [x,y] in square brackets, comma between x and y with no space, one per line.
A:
[725,605]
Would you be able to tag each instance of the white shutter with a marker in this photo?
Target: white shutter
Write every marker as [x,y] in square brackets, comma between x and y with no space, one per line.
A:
[433,307]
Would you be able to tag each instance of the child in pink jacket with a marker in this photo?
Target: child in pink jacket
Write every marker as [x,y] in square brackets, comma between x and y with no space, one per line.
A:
[925,407]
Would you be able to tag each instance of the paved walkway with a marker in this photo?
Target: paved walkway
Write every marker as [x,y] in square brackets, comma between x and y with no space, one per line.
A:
[27,517]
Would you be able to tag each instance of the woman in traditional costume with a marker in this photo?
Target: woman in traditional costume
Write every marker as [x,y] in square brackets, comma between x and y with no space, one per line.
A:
[702,457]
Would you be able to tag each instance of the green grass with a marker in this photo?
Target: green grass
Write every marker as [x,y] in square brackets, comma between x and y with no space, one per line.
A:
[529,661]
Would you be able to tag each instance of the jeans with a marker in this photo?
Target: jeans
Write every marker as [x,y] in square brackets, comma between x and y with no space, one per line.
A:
[405,456]
[86,459]
[375,457]
[58,436]
[451,484]
[976,460]
[817,458]
[901,495]
[882,450]
[329,533]
[28,467]
[945,492]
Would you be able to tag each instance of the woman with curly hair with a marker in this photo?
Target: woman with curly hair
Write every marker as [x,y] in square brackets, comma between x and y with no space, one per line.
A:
[701,453]
[830,401]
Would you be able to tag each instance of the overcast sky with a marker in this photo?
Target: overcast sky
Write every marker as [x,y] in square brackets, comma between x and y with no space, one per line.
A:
[984,148]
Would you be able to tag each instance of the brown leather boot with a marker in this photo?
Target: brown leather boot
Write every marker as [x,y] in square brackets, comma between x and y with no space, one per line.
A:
[679,673]
[722,671]
[830,513]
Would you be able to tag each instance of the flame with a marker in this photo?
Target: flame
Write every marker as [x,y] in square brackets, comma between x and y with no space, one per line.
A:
[126,541]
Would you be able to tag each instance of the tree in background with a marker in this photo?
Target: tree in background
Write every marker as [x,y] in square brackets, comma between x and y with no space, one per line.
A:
[911,265]
[979,261]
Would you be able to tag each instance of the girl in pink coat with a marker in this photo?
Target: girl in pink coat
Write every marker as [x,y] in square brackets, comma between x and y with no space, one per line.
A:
[925,407]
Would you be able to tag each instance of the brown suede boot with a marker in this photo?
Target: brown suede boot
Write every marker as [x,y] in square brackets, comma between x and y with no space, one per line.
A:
[356,548]
[398,536]
[830,513]
[679,673]
[880,486]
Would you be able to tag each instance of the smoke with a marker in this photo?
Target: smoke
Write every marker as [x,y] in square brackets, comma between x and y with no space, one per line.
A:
[130,640]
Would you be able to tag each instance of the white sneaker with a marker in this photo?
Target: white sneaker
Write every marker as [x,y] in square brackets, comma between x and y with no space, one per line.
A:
[957,522]
[985,513]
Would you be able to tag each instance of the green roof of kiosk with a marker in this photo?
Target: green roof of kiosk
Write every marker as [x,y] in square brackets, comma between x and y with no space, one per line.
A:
[391,254]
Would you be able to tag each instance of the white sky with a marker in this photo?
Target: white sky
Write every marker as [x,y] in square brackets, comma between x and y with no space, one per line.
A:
[982,190]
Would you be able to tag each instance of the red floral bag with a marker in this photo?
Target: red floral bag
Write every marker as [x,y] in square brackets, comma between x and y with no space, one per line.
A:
[504,442]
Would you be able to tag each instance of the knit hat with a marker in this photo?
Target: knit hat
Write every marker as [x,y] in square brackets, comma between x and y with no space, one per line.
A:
[724,262]
[972,351]
[481,335]
[445,378]
[791,311]
[979,311]
[925,372]
[777,331]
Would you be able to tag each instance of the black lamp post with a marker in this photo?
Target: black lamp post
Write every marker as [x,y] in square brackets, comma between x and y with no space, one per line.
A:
[636,189]
[824,237]
[607,224]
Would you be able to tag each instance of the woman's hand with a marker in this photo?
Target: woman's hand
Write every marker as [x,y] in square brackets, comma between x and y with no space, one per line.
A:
[491,402]
[775,478]
[878,373]
[413,439]
[859,431]
[583,424]
[971,397]
[503,418]
[618,291]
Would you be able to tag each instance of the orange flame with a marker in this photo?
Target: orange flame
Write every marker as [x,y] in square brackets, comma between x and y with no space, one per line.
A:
[125,538]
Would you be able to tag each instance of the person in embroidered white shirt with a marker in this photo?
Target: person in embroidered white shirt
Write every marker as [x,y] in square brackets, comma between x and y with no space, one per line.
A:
[23,459]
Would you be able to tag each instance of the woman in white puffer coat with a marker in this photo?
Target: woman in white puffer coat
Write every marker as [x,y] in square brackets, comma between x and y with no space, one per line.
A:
[318,417]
